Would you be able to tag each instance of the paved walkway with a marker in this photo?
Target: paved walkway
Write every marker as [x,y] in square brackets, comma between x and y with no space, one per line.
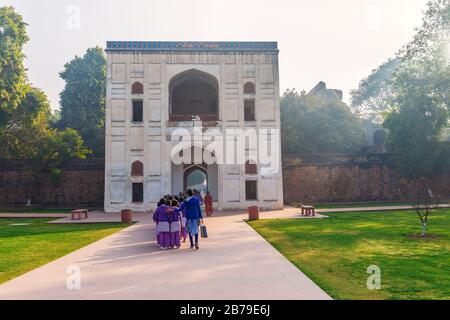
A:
[234,263]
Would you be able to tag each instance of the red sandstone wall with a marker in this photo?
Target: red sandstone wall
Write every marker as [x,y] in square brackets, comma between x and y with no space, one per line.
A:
[81,184]
[342,178]
[306,179]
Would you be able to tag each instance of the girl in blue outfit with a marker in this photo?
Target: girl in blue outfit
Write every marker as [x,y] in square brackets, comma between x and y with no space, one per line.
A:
[193,217]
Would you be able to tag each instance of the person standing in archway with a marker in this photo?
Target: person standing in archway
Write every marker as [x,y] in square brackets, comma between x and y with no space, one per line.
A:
[208,204]
[193,217]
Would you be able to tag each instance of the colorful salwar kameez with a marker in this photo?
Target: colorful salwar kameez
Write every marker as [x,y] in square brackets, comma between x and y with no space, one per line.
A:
[175,229]
[209,205]
[162,226]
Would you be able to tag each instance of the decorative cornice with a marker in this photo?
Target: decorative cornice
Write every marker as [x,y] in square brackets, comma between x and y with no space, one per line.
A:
[165,46]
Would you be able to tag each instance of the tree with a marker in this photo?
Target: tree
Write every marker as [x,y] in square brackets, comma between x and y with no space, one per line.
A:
[59,146]
[28,136]
[420,113]
[419,116]
[27,126]
[83,98]
[412,94]
[13,36]
[372,97]
[424,196]
[310,124]
[434,33]
[375,93]
[25,131]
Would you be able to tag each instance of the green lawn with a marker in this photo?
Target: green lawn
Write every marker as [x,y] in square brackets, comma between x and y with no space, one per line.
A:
[364,204]
[34,210]
[24,248]
[335,253]
[360,205]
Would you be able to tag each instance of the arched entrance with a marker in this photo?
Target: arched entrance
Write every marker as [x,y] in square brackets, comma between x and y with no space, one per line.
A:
[194,93]
[196,177]
[200,176]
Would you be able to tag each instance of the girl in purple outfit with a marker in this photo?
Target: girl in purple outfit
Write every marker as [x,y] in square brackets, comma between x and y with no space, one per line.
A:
[175,225]
[156,222]
[161,219]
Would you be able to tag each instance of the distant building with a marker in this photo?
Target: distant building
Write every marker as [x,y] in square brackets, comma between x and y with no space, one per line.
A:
[155,89]
[320,90]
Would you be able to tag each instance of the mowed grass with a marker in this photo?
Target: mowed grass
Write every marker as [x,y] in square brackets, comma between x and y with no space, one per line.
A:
[34,210]
[360,205]
[335,252]
[366,204]
[26,247]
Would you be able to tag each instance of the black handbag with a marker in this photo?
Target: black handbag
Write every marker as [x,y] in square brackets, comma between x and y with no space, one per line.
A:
[203,231]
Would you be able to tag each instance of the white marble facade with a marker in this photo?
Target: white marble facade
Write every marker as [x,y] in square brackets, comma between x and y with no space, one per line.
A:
[155,65]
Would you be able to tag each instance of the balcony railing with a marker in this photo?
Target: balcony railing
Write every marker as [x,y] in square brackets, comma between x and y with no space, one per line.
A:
[188,117]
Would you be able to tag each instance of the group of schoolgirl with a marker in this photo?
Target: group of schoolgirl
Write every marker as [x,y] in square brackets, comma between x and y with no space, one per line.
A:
[176,218]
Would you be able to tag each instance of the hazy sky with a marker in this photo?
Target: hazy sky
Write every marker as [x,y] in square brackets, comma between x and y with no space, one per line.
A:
[336,41]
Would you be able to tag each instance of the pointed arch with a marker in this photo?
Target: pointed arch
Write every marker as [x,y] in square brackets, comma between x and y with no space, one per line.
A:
[137,169]
[249,88]
[192,170]
[194,93]
[137,88]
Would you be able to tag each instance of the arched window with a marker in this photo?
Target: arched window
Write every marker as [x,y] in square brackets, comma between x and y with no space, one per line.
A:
[251,167]
[249,88]
[137,88]
[137,169]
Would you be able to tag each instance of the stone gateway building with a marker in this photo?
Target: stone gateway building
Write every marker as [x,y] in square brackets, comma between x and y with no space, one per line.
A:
[202,115]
